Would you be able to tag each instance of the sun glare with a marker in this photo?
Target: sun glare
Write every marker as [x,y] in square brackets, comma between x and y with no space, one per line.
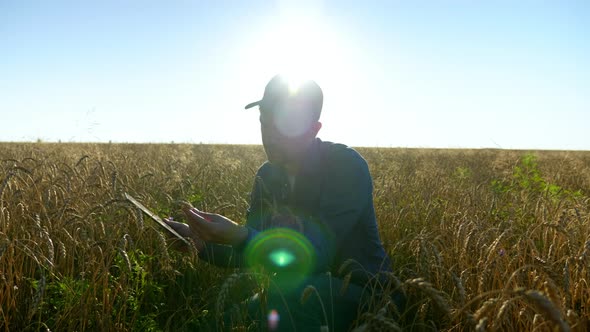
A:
[301,47]
[304,49]
[307,46]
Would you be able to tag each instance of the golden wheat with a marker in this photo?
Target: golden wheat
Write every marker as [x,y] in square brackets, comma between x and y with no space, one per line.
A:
[462,227]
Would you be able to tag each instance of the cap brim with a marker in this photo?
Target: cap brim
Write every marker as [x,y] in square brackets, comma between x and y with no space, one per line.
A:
[256,103]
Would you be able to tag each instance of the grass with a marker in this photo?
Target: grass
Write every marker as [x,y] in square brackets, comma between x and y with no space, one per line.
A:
[480,239]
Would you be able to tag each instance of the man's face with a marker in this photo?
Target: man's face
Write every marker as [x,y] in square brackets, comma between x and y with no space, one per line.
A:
[284,140]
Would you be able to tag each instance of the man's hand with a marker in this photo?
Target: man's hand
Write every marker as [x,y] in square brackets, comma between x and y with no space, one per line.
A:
[215,228]
[185,231]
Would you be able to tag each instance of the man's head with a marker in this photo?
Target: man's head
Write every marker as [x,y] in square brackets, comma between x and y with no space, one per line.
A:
[289,118]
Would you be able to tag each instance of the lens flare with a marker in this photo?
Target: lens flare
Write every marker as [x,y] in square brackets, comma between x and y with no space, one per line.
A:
[273,320]
[284,252]
[291,122]
[294,81]
[281,257]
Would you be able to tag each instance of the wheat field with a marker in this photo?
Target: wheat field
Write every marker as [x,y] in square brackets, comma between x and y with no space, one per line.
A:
[482,240]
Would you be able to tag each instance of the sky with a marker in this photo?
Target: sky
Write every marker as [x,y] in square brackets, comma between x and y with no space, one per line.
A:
[426,74]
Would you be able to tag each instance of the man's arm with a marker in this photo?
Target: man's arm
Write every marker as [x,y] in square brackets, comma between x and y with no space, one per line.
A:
[346,193]
[217,254]
[232,255]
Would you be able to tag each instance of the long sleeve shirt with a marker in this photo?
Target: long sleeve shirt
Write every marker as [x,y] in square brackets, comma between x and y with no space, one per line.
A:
[333,204]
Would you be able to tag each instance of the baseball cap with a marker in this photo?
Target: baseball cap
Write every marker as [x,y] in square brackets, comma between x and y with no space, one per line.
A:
[283,94]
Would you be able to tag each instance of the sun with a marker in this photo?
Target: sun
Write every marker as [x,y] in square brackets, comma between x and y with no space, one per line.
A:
[299,48]
[302,47]
[307,48]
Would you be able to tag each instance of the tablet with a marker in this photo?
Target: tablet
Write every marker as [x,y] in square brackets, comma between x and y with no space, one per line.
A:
[155,218]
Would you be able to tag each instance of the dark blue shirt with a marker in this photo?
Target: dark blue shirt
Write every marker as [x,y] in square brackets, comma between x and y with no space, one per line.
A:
[333,202]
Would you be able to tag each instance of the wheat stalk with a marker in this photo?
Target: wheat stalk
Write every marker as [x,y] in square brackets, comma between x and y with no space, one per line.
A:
[307,292]
[485,308]
[50,247]
[345,283]
[125,258]
[380,323]
[5,182]
[544,305]
[460,288]
[224,292]
[38,297]
[481,325]
[433,294]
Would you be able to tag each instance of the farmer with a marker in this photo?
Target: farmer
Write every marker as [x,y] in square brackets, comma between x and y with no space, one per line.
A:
[311,219]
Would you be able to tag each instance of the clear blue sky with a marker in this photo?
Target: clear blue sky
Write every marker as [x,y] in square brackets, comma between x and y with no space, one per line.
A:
[459,74]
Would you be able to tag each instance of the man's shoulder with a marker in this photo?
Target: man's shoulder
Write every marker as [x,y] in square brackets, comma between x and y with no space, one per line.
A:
[270,174]
[339,154]
[265,169]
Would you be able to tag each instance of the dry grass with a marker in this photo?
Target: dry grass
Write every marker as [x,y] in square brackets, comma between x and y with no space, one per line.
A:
[480,239]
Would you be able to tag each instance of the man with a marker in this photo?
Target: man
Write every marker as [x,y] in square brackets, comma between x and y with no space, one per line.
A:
[311,219]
